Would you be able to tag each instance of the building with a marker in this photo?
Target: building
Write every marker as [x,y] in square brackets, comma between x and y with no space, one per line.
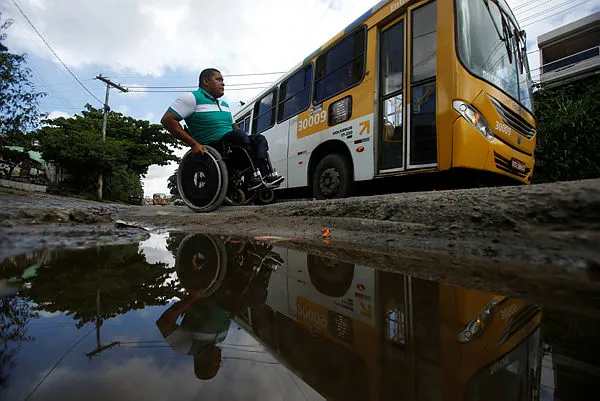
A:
[571,52]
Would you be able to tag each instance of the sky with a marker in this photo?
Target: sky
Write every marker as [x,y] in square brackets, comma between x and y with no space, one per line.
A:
[146,45]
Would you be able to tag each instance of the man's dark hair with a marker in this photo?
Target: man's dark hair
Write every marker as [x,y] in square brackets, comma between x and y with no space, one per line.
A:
[207,73]
[207,362]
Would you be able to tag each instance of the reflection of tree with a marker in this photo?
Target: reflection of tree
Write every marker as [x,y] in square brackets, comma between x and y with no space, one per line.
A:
[174,240]
[14,316]
[572,334]
[16,266]
[118,275]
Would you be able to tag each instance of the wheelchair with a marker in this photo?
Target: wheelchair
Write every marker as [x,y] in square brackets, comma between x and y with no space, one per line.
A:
[207,181]
[233,271]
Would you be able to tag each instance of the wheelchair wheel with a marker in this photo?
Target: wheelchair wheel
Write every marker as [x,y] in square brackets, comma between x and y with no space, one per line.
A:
[265,197]
[201,264]
[235,197]
[202,180]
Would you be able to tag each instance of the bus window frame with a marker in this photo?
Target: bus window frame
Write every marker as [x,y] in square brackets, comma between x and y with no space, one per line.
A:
[310,95]
[243,118]
[256,116]
[422,81]
[323,53]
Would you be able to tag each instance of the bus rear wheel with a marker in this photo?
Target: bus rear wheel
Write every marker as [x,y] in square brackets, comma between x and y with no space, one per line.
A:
[332,177]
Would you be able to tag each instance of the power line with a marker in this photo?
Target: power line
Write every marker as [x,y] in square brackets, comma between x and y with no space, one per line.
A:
[53,52]
[136,90]
[57,363]
[528,3]
[186,77]
[555,14]
[524,12]
[192,87]
[546,11]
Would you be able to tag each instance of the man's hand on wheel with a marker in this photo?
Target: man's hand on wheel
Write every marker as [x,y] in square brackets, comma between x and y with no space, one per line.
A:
[199,149]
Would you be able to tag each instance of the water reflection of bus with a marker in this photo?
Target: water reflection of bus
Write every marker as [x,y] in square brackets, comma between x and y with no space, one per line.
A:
[354,333]
[159,199]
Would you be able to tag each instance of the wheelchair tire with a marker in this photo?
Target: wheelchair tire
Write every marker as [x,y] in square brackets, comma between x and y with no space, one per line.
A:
[235,197]
[265,197]
[202,180]
[201,264]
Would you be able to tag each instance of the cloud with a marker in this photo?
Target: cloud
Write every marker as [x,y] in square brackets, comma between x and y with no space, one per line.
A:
[157,179]
[155,250]
[151,36]
[150,117]
[56,114]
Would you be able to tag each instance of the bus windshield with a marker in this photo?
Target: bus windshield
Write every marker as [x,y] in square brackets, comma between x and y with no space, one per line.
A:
[491,46]
[515,376]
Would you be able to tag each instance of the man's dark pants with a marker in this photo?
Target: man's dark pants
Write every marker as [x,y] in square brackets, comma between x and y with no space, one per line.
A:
[256,145]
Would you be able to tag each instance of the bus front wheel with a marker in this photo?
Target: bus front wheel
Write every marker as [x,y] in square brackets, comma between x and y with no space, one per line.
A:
[332,177]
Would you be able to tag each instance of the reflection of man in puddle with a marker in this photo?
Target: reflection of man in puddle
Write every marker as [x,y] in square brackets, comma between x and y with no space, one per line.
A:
[203,326]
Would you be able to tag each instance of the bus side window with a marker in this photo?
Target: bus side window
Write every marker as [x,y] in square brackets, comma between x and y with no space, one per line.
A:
[264,112]
[340,67]
[294,94]
[244,123]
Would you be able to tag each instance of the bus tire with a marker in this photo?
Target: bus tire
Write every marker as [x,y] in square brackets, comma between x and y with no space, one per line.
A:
[330,277]
[332,177]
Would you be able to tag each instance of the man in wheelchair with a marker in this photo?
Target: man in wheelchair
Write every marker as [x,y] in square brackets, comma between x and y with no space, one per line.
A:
[210,123]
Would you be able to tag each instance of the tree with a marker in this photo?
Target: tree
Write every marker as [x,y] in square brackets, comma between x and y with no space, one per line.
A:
[172,185]
[15,315]
[119,275]
[568,139]
[14,157]
[130,147]
[18,100]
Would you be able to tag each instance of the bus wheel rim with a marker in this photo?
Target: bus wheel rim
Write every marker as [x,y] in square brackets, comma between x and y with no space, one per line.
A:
[329,182]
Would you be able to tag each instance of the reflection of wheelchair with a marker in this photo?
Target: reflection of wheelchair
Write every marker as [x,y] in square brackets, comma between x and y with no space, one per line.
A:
[205,182]
[234,272]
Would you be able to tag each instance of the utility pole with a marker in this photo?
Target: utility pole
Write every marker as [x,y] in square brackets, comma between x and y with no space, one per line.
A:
[108,83]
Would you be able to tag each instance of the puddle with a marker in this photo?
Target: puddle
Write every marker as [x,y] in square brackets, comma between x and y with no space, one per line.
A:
[181,316]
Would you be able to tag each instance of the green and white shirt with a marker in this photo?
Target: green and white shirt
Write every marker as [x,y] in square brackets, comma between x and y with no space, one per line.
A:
[207,118]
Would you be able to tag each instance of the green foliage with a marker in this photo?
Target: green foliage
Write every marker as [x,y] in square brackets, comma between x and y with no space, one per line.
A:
[121,183]
[118,275]
[172,185]
[13,156]
[18,99]
[568,125]
[15,315]
[130,147]
[80,151]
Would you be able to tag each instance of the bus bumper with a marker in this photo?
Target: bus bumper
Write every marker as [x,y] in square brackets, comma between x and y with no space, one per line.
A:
[473,151]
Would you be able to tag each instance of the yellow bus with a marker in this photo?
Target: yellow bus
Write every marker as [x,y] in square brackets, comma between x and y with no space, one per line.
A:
[354,333]
[159,199]
[409,87]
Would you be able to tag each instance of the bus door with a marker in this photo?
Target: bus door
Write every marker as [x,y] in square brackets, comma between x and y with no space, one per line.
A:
[421,111]
[407,91]
[391,141]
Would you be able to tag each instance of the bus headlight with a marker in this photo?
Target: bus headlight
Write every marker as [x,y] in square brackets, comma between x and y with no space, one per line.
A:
[473,116]
[476,326]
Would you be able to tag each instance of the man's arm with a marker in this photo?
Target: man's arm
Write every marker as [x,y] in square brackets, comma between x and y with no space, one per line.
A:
[171,123]
[167,322]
